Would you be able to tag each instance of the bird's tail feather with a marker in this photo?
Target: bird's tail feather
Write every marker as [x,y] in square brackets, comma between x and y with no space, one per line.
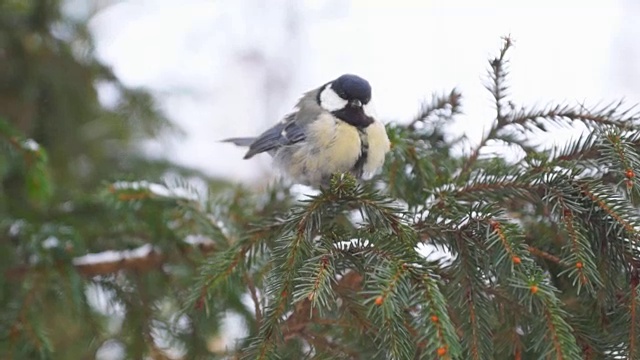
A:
[244,141]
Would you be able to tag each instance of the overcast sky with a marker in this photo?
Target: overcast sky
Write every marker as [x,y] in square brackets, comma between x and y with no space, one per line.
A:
[231,67]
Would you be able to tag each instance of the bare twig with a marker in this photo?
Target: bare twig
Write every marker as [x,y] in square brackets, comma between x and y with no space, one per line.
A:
[545,255]
[254,297]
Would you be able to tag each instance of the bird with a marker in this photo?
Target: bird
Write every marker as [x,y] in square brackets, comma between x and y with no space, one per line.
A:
[332,129]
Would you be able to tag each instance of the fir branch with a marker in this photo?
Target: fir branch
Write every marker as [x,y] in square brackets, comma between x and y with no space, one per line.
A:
[388,310]
[625,156]
[580,264]
[561,334]
[551,325]
[434,315]
[471,302]
[499,185]
[583,269]
[613,205]
[438,104]
[497,87]
[611,115]
[514,257]
[498,77]
[35,160]
[633,311]
[315,280]
[298,322]
[391,283]
[320,343]
[473,318]
[22,323]
[215,271]
[583,148]
[555,336]
[502,187]
[303,224]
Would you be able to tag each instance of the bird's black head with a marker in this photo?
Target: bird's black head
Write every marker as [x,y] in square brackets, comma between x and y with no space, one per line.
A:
[352,87]
[346,97]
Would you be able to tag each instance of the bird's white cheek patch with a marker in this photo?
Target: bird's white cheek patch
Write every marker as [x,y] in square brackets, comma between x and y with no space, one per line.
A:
[330,101]
[378,146]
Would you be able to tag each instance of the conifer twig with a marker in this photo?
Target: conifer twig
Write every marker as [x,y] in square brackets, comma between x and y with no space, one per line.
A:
[438,103]
[298,321]
[544,254]
[497,88]
[320,342]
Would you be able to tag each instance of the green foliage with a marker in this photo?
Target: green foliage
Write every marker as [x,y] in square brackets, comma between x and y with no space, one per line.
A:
[540,255]
[58,147]
[32,162]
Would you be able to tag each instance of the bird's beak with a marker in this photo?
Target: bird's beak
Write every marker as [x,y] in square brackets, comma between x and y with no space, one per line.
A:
[355,103]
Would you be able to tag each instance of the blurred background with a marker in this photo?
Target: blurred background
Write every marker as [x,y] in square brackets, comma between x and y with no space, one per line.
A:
[143,89]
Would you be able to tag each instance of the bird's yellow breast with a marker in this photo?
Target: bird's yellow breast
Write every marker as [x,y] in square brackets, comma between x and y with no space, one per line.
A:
[333,146]
[379,145]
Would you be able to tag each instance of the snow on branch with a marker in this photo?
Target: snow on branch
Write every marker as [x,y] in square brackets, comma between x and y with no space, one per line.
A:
[141,259]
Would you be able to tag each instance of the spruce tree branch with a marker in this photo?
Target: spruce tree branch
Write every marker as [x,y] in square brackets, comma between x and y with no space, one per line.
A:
[497,88]
[495,186]
[572,232]
[446,336]
[470,302]
[152,260]
[609,210]
[498,74]
[320,342]
[393,282]
[22,323]
[590,146]
[303,315]
[605,116]
[506,243]
[634,317]
[437,104]
[554,334]
[475,352]
[580,155]
[214,277]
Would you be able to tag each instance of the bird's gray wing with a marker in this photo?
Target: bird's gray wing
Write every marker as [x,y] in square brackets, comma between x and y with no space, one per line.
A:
[284,133]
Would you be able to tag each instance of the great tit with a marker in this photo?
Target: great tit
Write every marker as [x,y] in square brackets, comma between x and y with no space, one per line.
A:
[332,129]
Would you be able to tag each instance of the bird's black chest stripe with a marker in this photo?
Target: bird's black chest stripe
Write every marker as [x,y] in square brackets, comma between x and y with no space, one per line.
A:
[364,151]
[354,116]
